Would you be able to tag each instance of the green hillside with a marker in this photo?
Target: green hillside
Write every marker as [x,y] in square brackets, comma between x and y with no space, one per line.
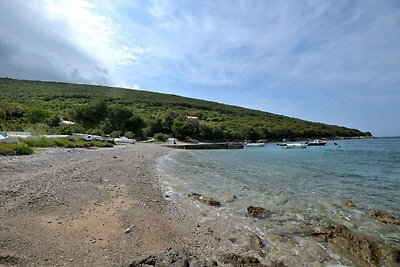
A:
[37,106]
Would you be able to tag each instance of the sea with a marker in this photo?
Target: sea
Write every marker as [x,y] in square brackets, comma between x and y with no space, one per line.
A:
[296,186]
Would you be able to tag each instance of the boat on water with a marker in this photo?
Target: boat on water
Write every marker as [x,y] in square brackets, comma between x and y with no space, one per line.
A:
[254,144]
[295,145]
[281,144]
[316,143]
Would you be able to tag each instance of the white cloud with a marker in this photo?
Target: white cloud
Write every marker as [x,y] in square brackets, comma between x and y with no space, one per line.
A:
[93,31]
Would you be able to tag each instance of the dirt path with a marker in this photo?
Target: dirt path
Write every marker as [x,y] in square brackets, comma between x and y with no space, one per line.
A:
[71,207]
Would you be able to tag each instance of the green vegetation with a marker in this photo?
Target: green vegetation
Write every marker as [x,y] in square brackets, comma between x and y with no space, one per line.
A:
[15,149]
[37,107]
[24,147]
[159,137]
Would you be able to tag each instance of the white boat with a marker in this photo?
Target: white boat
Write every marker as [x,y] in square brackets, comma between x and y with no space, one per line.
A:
[317,143]
[254,144]
[124,140]
[295,145]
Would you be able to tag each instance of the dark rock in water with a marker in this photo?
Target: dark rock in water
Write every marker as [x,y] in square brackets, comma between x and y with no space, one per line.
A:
[210,201]
[349,203]
[384,217]
[360,249]
[195,196]
[206,200]
[277,264]
[244,261]
[175,258]
[238,260]
[256,211]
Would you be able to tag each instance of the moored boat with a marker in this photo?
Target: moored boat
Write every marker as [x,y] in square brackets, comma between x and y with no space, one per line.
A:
[295,145]
[254,144]
[317,143]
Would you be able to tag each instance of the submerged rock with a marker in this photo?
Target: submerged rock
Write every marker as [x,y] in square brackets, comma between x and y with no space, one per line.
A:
[256,211]
[256,242]
[238,260]
[206,200]
[384,217]
[195,196]
[348,203]
[360,249]
[174,258]
[210,201]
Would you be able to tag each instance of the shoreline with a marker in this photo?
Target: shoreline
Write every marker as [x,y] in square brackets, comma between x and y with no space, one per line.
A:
[108,207]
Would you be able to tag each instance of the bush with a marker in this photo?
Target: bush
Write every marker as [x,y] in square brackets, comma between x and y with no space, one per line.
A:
[23,149]
[129,135]
[54,121]
[115,134]
[35,115]
[159,137]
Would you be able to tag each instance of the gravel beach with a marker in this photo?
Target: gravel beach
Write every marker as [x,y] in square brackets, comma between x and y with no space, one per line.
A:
[86,207]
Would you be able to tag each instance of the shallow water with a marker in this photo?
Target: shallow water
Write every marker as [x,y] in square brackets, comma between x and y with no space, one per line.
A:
[297,186]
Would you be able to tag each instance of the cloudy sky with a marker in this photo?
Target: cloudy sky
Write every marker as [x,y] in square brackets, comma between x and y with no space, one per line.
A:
[333,61]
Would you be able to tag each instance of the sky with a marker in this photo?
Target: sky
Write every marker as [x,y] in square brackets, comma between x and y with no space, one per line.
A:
[336,62]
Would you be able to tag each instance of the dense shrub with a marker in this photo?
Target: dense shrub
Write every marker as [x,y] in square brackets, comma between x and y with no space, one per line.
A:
[159,137]
[22,149]
[36,115]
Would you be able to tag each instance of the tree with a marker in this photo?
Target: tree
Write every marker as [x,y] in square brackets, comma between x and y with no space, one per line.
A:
[123,120]
[91,115]
[184,129]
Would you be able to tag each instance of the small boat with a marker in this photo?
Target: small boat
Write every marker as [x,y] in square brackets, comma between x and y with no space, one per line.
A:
[295,145]
[281,144]
[317,143]
[254,144]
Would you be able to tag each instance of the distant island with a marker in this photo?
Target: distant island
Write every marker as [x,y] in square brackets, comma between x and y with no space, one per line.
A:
[64,108]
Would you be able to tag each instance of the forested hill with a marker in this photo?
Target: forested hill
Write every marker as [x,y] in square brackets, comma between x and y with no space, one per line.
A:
[38,106]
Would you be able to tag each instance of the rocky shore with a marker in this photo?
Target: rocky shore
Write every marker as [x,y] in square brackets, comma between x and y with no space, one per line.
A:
[104,207]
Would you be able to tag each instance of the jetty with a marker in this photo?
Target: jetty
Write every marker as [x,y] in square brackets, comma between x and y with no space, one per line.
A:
[221,145]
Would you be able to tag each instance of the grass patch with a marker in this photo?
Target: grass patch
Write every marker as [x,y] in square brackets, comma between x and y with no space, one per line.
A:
[64,142]
[15,149]
[25,146]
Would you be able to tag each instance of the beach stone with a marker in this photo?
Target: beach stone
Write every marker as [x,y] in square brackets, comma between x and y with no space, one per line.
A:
[256,211]
[384,217]
[229,198]
[360,249]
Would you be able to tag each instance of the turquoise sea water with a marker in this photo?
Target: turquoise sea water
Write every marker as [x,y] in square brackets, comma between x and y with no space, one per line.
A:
[297,186]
